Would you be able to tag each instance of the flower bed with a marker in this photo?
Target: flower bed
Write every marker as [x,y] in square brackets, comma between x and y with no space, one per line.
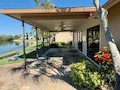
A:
[85,75]
[107,71]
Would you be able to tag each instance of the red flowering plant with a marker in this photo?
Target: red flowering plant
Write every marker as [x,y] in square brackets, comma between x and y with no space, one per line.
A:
[103,55]
[107,71]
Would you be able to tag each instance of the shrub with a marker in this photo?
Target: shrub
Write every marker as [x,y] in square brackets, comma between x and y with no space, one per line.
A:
[107,71]
[84,75]
[53,45]
[60,44]
[103,55]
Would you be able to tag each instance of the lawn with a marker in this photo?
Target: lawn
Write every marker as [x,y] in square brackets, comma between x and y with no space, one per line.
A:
[5,61]
[5,57]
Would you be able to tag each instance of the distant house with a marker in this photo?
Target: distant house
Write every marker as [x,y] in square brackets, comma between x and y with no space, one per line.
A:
[64,37]
[31,38]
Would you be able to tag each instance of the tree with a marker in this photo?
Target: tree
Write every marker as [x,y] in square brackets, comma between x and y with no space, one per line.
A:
[6,38]
[102,15]
[27,37]
[37,1]
[46,4]
[30,33]
[16,37]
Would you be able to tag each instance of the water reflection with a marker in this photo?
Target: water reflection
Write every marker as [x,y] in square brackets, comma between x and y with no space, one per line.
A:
[17,43]
[29,44]
[9,46]
[4,43]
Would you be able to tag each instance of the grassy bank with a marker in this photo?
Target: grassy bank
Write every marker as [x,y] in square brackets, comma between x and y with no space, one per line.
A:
[19,40]
[5,57]
[5,61]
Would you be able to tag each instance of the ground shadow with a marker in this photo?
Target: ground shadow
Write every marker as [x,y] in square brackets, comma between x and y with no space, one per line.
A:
[69,56]
[32,54]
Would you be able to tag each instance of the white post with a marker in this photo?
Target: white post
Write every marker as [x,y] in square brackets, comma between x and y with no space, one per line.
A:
[75,40]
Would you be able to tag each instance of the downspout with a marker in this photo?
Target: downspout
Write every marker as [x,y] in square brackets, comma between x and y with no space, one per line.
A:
[24,54]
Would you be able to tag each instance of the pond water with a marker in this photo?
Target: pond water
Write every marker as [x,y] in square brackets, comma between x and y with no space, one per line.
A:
[10,46]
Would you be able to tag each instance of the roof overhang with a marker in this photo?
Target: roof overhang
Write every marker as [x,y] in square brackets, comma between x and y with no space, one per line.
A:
[49,19]
[107,6]
[110,4]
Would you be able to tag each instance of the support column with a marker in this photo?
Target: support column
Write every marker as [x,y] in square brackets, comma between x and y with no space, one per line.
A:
[24,54]
[75,40]
[43,38]
[48,41]
[36,43]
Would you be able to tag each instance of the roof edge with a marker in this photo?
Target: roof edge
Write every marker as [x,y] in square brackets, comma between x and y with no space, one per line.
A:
[40,10]
[110,3]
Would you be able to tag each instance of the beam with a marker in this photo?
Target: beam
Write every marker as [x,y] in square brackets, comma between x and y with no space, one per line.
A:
[55,10]
[55,16]
[62,30]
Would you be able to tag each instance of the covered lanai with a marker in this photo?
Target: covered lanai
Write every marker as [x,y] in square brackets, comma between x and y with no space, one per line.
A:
[54,20]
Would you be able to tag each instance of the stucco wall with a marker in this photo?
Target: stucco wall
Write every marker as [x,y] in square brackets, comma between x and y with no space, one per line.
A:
[114,22]
[83,28]
[64,37]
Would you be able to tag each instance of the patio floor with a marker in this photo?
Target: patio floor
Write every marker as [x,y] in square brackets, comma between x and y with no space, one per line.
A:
[52,74]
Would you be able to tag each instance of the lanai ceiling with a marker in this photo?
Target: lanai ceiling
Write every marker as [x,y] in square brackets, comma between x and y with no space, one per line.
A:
[66,19]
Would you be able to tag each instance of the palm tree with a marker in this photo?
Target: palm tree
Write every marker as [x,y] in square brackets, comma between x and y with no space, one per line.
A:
[37,1]
[46,4]
[41,34]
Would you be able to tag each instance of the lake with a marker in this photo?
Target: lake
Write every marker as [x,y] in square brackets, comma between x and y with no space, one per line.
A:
[10,46]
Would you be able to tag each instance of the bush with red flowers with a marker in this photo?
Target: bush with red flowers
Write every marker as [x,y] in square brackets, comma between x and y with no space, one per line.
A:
[107,71]
[103,55]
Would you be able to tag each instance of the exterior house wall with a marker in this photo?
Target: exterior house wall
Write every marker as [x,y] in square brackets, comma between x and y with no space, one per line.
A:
[83,28]
[64,37]
[114,22]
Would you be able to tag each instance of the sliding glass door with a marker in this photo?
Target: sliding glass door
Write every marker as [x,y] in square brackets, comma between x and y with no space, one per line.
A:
[93,41]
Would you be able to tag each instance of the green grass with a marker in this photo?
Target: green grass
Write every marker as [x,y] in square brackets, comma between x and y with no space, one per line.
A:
[8,53]
[5,61]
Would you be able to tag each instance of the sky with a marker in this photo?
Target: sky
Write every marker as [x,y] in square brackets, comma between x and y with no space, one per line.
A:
[10,26]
